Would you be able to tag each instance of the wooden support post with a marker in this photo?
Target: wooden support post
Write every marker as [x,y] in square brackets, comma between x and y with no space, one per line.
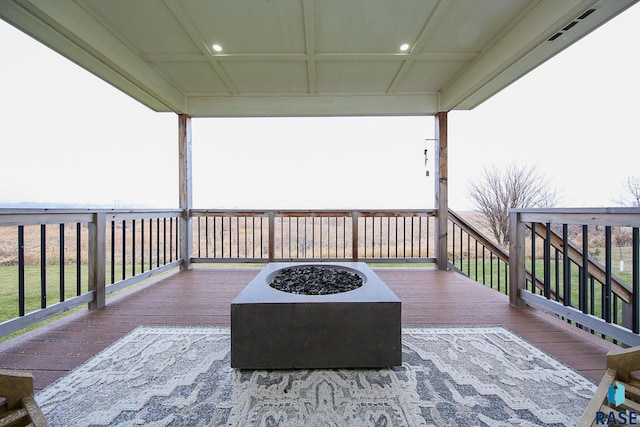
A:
[441,190]
[97,268]
[517,272]
[272,236]
[354,235]
[186,190]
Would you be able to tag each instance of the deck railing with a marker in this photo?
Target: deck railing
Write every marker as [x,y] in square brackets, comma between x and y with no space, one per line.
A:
[390,236]
[476,256]
[562,261]
[54,260]
[559,260]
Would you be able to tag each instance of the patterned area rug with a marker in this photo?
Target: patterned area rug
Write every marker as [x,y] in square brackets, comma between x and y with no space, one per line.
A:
[450,376]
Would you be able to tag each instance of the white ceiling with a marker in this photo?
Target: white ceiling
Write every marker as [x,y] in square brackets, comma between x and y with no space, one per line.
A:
[309,57]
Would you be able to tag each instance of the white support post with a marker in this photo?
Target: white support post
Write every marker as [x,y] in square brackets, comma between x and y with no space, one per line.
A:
[441,190]
[186,190]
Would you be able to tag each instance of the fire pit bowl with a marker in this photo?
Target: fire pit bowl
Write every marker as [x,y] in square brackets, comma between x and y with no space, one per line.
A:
[274,329]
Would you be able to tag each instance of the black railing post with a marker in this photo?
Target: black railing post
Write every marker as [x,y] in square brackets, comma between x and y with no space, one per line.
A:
[635,279]
[606,292]
[43,266]
[62,260]
[584,288]
[547,262]
[78,259]
[566,266]
[21,276]
[534,279]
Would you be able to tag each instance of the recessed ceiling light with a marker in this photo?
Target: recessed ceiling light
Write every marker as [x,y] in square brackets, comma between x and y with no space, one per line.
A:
[217,47]
[404,47]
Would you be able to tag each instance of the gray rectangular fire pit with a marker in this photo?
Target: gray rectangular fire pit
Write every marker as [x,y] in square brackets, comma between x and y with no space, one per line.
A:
[272,329]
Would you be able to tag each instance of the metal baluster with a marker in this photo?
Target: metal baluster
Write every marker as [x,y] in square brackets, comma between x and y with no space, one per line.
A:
[43,266]
[491,269]
[547,262]
[206,237]
[468,254]
[199,238]
[453,245]
[221,237]
[157,242]
[113,251]
[499,263]
[142,245]
[124,249]
[133,247]
[583,291]
[237,237]
[78,259]
[62,290]
[606,300]
[534,279]
[566,266]
[215,237]
[21,276]
[365,236]
[635,280]
[164,241]
[557,273]
[476,257]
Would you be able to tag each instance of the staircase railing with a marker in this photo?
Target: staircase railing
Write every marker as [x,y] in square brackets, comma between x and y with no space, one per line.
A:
[476,256]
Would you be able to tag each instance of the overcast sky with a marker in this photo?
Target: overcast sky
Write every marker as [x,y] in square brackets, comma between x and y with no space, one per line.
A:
[68,137]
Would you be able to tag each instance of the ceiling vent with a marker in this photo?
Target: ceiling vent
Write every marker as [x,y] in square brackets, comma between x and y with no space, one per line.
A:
[572,24]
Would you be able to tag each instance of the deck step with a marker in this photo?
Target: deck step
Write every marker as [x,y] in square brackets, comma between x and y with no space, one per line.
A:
[622,367]
[18,408]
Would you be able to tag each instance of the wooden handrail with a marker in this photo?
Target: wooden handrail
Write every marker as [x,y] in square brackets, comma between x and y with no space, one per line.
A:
[477,234]
[497,250]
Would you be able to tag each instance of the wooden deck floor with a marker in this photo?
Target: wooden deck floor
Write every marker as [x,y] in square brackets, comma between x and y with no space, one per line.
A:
[202,297]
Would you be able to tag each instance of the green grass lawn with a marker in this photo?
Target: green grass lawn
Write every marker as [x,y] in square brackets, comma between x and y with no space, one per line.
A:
[495,274]
[33,291]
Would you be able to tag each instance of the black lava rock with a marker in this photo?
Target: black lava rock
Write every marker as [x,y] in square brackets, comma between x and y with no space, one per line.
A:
[315,280]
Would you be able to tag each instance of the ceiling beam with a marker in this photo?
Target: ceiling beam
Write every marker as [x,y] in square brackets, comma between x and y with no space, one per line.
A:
[309,106]
[308,7]
[346,57]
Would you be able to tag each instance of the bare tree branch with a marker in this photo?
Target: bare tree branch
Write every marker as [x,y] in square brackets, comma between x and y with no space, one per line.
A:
[633,187]
[498,191]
